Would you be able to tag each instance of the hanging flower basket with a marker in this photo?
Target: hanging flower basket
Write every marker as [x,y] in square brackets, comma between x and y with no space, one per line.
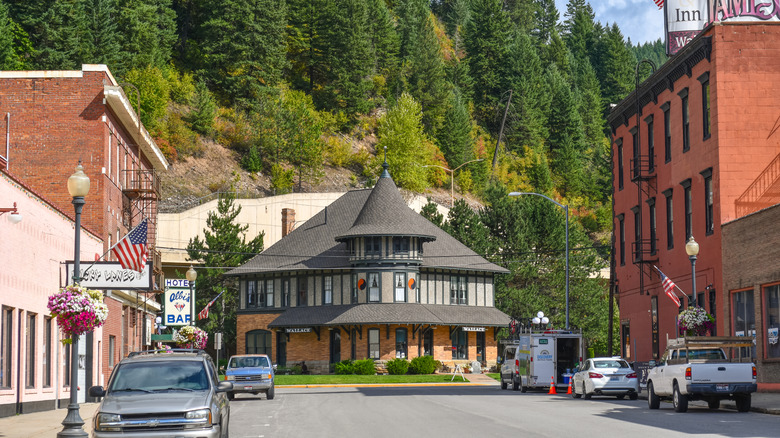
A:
[78,310]
[190,337]
[695,321]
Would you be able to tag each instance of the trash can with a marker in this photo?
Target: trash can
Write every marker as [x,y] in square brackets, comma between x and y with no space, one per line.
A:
[566,376]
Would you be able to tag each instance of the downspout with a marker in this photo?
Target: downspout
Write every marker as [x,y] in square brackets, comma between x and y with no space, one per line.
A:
[7,138]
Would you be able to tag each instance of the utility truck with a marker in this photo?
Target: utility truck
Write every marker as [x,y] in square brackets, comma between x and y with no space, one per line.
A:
[539,359]
[703,368]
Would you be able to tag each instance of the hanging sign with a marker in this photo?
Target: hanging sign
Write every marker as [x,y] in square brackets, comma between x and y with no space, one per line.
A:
[298,330]
[110,276]
[473,329]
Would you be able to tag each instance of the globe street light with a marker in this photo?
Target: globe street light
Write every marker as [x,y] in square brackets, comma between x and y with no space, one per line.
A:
[692,248]
[192,275]
[566,209]
[452,177]
[15,217]
[540,319]
[78,187]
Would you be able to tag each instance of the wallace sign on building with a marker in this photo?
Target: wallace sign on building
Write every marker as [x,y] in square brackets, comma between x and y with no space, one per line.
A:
[368,277]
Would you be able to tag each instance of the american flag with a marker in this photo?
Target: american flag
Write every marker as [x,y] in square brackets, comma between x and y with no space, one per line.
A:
[668,286]
[659,3]
[203,314]
[132,251]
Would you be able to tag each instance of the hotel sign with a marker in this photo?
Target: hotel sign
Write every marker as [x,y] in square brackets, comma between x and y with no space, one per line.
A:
[684,19]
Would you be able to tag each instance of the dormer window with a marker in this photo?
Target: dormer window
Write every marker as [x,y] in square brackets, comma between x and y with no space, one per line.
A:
[400,245]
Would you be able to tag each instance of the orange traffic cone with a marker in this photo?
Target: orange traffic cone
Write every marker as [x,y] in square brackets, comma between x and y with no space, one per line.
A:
[568,391]
[552,386]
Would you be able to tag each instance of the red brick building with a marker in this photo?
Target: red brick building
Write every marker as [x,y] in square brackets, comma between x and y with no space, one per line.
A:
[54,119]
[698,153]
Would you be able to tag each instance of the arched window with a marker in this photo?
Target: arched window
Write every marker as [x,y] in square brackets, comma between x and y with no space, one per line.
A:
[258,342]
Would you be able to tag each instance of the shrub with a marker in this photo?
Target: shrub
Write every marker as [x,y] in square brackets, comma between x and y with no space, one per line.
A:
[423,365]
[364,367]
[398,366]
[282,180]
[252,162]
[344,367]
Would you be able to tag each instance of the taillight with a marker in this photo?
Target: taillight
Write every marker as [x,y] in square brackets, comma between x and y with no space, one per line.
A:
[595,375]
[754,372]
[517,366]
[688,373]
[631,375]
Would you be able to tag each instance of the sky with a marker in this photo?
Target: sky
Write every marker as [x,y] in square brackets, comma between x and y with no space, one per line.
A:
[640,20]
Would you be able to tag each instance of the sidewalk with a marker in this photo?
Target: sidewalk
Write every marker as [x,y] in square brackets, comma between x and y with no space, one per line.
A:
[47,424]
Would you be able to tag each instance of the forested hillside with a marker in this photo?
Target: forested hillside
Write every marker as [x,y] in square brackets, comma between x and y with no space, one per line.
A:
[294,85]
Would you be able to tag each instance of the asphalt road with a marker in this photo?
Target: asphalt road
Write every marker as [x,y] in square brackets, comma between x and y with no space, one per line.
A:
[475,411]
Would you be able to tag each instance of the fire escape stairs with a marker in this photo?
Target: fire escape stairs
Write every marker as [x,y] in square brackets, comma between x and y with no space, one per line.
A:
[764,192]
[141,190]
[643,250]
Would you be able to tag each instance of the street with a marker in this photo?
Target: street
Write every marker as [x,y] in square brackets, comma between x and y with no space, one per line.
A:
[475,411]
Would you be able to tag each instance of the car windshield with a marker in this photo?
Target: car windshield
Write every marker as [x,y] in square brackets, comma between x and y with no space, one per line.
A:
[149,376]
[610,364]
[248,362]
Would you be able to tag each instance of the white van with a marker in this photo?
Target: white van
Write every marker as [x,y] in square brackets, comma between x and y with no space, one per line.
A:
[540,359]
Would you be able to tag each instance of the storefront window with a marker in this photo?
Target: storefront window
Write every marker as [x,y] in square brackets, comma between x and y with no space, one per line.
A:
[744,318]
[373,343]
[460,346]
[772,308]
[400,343]
[428,343]
[258,342]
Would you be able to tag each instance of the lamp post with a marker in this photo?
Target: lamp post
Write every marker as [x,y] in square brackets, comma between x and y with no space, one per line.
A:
[452,177]
[541,319]
[692,248]
[192,275]
[78,187]
[15,217]
[565,209]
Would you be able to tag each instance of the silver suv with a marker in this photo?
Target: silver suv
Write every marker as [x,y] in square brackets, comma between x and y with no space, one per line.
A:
[163,393]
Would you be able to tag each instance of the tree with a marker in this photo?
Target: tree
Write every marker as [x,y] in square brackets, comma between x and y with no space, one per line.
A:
[244,48]
[565,141]
[148,33]
[223,246]
[464,224]
[615,68]
[454,137]
[155,94]
[204,110]
[486,38]
[430,211]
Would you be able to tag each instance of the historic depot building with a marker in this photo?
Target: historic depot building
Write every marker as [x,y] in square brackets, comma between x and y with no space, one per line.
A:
[368,277]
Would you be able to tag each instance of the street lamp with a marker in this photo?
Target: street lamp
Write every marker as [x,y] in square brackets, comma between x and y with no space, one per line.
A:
[15,217]
[78,187]
[541,319]
[566,209]
[692,248]
[452,177]
[192,275]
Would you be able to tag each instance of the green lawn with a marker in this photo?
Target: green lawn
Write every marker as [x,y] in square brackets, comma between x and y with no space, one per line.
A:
[495,376]
[332,379]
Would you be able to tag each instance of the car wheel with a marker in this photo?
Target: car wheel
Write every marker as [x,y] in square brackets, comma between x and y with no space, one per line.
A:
[574,392]
[653,401]
[743,403]
[270,393]
[523,388]
[503,382]
[621,397]
[680,401]
[713,403]
[633,396]
[231,395]
[585,395]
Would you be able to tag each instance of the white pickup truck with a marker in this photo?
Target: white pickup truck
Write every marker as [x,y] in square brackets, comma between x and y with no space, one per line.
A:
[698,368]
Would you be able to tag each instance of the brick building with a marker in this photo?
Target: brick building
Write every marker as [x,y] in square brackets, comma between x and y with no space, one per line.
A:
[51,120]
[368,277]
[694,147]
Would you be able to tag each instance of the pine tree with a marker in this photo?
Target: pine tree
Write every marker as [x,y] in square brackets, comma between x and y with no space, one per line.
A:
[204,110]
[464,224]
[486,38]
[104,47]
[8,58]
[148,33]
[454,137]
[224,245]
[616,66]
[565,139]
[579,29]
[383,38]
[244,48]
[545,22]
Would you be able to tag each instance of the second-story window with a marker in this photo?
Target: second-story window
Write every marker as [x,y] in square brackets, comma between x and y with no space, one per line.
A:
[327,289]
[622,238]
[653,235]
[251,294]
[688,197]
[667,133]
[303,291]
[620,163]
[650,144]
[400,245]
[637,234]
[669,219]
[705,105]
[267,294]
[709,221]
[373,287]
[285,292]
[373,246]
[458,289]
[635,146]
[400,287]
[685,120]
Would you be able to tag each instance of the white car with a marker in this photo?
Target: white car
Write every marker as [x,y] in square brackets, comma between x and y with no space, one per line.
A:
[611,376]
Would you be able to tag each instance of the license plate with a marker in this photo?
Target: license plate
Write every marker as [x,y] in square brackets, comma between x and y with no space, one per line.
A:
[247,387]
[614,379]
[721,387]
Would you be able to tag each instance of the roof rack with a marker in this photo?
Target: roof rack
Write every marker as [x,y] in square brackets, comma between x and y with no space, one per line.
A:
[199,352]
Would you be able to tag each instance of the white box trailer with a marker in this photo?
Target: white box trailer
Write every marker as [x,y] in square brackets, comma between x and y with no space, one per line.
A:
[540,359]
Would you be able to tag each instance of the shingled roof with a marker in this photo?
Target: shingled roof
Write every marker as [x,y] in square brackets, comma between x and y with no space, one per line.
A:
[390,313]
[320,242]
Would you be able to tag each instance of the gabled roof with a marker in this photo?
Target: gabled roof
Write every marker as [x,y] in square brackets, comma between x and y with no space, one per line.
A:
[390,313]
[318,244]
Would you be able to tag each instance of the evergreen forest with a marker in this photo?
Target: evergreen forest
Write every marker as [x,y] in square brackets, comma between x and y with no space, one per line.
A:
[513,93]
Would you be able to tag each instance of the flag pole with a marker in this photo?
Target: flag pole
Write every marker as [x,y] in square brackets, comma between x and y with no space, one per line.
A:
[675,284]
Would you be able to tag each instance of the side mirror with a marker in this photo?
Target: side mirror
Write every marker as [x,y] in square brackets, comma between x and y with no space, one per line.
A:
[96,391]
[225,386]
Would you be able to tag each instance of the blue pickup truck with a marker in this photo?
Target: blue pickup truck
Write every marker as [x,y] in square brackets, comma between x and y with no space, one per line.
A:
[250,373]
